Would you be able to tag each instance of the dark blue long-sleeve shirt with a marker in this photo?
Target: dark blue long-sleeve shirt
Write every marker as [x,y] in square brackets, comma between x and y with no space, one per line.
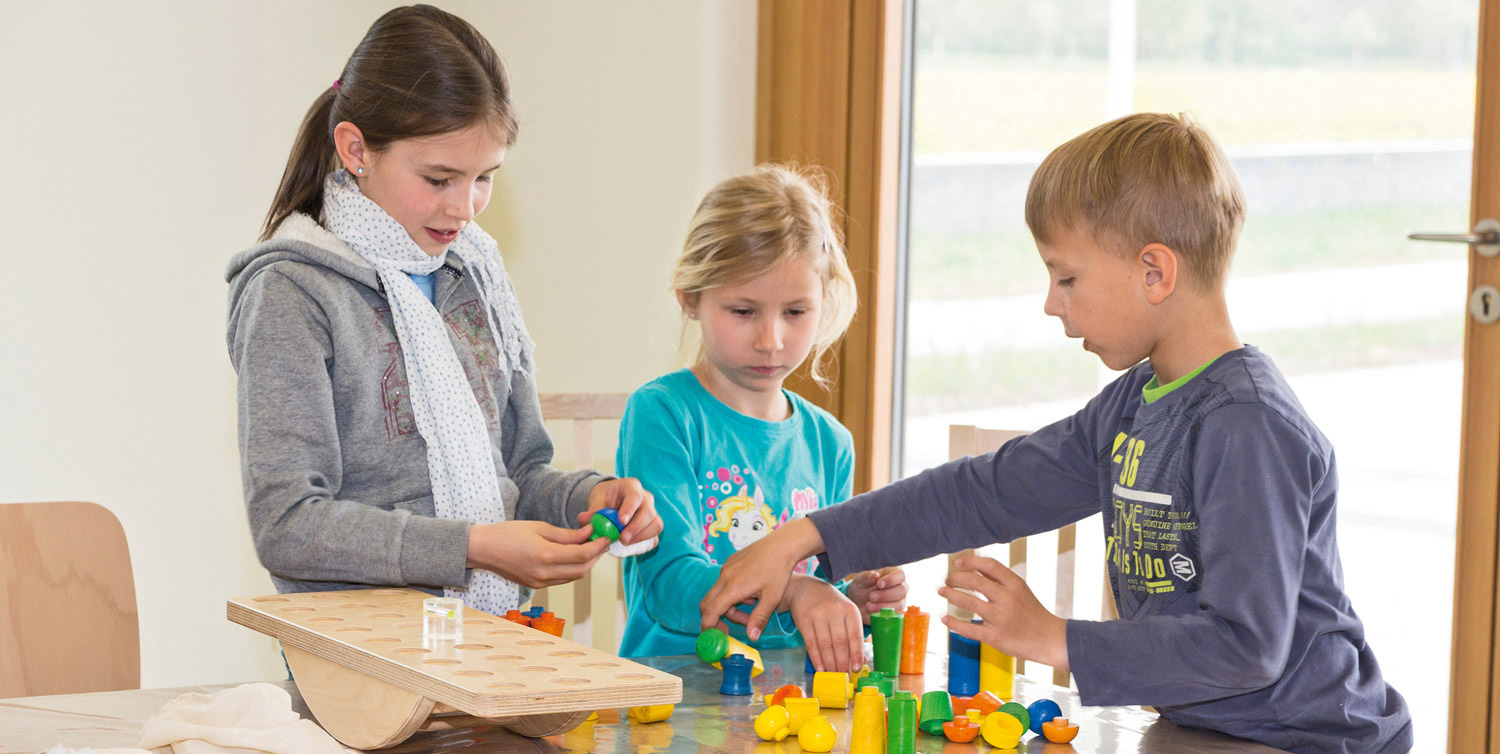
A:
[1219,513]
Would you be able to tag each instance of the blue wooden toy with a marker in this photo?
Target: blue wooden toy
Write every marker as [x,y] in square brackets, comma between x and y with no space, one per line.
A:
[737,676]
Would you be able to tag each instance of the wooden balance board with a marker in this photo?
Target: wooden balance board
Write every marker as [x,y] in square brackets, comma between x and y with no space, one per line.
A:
[360,663]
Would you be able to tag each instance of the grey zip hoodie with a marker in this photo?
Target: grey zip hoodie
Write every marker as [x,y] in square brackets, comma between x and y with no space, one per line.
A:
[334,470]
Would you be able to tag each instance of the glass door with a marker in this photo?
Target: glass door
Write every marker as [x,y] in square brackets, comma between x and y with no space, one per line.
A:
[1349,125]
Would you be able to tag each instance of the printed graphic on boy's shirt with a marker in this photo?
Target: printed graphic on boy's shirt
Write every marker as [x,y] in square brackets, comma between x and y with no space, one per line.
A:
[1145,534]
[467,322]
[742,516]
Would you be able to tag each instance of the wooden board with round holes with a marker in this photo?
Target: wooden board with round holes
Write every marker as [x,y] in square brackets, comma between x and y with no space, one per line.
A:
[498,669]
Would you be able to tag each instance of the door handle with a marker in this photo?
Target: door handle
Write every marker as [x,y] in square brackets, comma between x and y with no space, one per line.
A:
[1485,239]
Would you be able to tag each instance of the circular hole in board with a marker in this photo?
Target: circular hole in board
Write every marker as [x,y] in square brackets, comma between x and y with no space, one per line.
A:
[536,669]
[409,625]
[472,673]
[388,591]
[633,676]
[355,605]
[601,664]
[503,658]
[327,596]
[297,609]
[381,640]
[387,615]
[505,685]
[270,599]
[472,646]
[535,643]
[565,653]
[480,622]
[325,619]
[440,661]
[570,681]
[411,650]
[504,632]
[352,629]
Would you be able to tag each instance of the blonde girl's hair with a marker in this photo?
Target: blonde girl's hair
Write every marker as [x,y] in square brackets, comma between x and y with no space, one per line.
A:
[732,505]
[749,224]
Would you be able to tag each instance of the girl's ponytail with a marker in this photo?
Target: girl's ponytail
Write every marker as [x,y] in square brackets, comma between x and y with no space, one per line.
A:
[313,159]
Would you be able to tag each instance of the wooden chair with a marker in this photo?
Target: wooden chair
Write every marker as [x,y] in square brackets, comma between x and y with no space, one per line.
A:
[967,440]
[68,621]
[594,606]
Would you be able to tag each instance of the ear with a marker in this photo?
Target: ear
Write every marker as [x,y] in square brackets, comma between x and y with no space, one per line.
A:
[1159,266]
[350,143]
[689,303]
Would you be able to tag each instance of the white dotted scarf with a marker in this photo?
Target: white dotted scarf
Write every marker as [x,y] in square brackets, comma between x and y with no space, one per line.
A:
[460,457]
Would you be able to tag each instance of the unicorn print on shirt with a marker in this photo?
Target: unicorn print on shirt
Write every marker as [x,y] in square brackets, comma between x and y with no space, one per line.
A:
[744,518]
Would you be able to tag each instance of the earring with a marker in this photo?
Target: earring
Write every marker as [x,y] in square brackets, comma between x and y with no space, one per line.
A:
[361,171]
[692,315]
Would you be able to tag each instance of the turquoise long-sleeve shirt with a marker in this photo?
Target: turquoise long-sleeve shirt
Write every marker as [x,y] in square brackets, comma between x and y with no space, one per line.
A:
[722,480]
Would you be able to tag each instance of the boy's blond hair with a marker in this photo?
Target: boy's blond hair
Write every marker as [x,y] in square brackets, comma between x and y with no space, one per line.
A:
[1142,179]
[749,224]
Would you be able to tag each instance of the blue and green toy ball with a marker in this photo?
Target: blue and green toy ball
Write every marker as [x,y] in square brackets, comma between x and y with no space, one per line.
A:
[606,524]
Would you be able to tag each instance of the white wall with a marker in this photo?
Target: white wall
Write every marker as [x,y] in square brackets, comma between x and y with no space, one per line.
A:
[141,143]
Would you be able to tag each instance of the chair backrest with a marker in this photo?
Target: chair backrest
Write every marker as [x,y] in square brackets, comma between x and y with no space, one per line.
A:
[967,440]
[68,619]
[593,606]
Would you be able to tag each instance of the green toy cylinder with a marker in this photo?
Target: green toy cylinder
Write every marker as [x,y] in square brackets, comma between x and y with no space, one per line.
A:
[885,629]
[901,724]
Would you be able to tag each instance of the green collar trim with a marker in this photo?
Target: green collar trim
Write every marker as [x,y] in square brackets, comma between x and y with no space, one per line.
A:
[1155,391]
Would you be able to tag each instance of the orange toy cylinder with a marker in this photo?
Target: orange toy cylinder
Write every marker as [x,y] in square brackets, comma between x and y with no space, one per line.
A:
[914,642]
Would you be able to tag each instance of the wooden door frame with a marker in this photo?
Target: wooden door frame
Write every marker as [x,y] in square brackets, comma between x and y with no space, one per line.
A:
[1473,704]
[828,94]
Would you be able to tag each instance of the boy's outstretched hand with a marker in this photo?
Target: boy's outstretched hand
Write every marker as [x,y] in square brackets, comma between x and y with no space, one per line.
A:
[637,508]
[1014,621]
[760,572]
[874,590]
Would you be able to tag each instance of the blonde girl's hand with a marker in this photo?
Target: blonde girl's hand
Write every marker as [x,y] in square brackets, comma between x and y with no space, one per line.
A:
[534,553]
[637,508]
[829,623]
[873,591]
[1014,621]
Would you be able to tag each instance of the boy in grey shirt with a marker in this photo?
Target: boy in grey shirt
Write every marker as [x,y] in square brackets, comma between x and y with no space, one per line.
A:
[1217,491]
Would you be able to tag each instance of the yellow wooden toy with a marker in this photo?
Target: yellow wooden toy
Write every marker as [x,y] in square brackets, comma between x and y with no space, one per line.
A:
[817,735]
[832,690]
[774,724]
[1002,730]
[799,711]
[651,713]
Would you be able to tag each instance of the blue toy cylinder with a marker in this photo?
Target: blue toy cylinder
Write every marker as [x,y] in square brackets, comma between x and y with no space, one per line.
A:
[963,665]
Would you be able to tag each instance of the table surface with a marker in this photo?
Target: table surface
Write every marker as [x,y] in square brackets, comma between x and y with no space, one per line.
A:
[706,722]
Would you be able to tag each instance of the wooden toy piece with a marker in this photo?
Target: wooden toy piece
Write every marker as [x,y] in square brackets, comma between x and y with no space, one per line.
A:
[776,697]
[985,702]
[516,616]
[737,676]
[963,665]
[914,641]
[774,724]
[651,713]
[1059,731]
[1014,709]
[901,724]
[936,709]
[362,667]
[961,730]
[1001,730]
[832,690]
[975,715]
[548,623]
[817,735]
[867,733]
[714,645]
[606,524]
[799,711]
[1041,711]
[879,680]
[997,672]
[885,632]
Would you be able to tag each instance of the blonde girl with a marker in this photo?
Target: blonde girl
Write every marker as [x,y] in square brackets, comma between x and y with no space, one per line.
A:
[764,277]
